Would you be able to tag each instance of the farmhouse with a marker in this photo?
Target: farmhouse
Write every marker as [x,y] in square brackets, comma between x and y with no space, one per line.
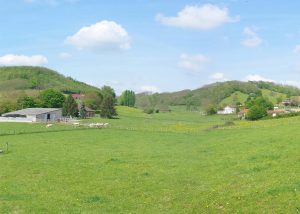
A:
[227,110]
[34,115]
[77,96]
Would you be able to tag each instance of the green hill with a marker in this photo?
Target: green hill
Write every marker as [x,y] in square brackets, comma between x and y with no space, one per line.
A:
[38,78]
[219,94]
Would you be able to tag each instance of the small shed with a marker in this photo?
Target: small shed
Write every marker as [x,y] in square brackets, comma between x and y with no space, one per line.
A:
[89,112]
[36,114]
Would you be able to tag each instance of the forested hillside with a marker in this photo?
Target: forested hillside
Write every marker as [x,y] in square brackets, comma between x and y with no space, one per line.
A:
[38,78]
[217,93]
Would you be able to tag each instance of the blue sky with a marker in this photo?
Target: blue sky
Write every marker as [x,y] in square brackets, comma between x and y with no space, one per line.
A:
[147,45]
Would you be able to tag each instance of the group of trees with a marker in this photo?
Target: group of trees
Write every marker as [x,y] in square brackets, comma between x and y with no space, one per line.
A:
[127,98]
[258,106]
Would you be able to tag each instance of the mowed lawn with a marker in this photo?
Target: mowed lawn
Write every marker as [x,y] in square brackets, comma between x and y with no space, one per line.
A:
[163,163]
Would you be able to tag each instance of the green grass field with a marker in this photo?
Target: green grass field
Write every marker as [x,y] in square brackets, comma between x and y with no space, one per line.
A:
[174,162]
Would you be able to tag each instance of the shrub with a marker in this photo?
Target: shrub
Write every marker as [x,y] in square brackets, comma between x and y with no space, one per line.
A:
[211,110]
[149,111]
[256,112]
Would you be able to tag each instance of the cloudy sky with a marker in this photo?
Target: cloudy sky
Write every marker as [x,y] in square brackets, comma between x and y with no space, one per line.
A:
[147,45]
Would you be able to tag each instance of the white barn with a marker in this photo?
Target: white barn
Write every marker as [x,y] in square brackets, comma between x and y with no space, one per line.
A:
[227,110]
[33,115]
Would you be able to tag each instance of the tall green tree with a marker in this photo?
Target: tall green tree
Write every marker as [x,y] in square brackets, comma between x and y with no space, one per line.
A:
[127,98]
[70,107]
[107,108]
[51,98]
[93,100]
[26,102]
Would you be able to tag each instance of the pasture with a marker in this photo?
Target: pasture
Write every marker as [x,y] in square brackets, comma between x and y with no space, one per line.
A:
[178,162]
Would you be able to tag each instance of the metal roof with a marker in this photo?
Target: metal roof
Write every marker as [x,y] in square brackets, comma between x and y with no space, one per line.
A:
[31,111]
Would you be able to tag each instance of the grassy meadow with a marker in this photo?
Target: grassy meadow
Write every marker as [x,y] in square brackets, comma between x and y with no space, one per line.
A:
[178,162]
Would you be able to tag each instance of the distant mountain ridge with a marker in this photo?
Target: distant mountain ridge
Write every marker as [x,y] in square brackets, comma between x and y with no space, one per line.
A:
[215,93]
[39,78]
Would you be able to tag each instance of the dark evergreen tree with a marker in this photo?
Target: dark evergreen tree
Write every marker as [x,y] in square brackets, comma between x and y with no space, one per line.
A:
[70,107]
[107,108]
[82,111]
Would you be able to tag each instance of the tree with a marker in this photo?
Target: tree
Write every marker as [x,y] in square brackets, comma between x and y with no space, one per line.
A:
[127,98]
[70,107]
[82,111]
[93,100]
[107,108]
[7,106]
[26,102]
[254,100]
[51,98]
[211,109]
[256,112]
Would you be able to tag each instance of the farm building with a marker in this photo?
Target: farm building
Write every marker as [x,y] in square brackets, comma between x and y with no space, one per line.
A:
[89,112]
[227,110]
[34,115]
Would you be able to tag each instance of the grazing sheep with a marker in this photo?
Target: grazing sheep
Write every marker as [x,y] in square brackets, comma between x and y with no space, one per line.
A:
[76,124]
[49,125]
[97,125]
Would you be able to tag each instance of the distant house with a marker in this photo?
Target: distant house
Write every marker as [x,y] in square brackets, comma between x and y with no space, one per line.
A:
[33,115]
[286,102]
[227,110]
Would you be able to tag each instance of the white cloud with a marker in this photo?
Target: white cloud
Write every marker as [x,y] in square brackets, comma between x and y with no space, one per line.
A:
[257,77]
[150,88]
[65,55]
[297,49]
[218,77]
[13,59]
[292,83]
[252,40]
[202,17]
[104,35]
[193,63]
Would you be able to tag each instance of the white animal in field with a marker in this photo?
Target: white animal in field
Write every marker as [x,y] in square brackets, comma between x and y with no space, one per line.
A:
[76,124]
[98,125]
[49,125]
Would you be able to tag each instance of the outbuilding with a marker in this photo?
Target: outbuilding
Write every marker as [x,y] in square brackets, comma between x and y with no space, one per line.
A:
[34,115]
